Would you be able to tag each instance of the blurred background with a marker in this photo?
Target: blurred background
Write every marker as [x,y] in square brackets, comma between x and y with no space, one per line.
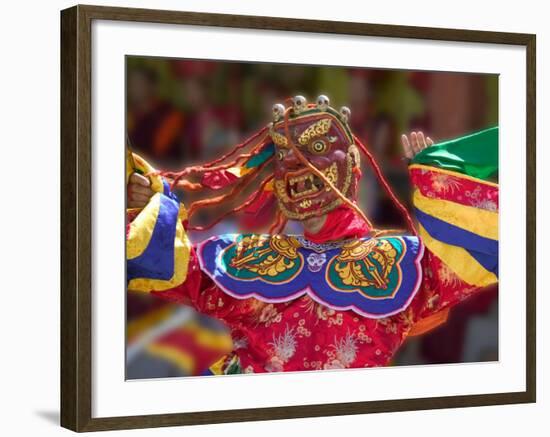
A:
[182,112]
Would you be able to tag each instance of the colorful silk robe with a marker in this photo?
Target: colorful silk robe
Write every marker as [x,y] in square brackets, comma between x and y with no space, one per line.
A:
[291,304]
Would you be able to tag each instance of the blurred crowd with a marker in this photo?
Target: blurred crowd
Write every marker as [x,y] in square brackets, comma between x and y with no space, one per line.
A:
[181,112]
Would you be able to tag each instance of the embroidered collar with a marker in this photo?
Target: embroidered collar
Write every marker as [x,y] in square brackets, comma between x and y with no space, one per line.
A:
[374,277]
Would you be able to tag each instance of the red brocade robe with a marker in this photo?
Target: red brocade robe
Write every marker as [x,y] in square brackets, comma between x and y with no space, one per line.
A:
[458,226]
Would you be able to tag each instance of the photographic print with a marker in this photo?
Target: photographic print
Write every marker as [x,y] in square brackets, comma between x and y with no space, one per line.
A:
[353,207]
[290,218]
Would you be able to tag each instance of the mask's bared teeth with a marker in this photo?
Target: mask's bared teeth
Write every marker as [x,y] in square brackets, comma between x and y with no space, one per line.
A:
[303,186]
[317,183]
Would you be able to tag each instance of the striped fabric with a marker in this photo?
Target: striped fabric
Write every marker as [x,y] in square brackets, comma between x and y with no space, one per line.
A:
[457,205]
[157,246]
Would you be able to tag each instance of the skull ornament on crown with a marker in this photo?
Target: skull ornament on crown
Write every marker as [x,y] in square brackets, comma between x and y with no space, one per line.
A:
[322,136]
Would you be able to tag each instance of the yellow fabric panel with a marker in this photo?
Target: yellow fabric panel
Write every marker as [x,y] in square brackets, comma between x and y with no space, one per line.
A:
[130,165]
[217,367]
[142,165]
[141,228]
[452,173]
[208,338]
[239,171]
[183,360]
[182,248]
[459,261]
[138,326]
[476,220]
[133,162]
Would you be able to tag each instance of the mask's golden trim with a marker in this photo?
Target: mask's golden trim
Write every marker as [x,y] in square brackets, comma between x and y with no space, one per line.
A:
[332,174]
[278,139]
[315,130]
[354,152]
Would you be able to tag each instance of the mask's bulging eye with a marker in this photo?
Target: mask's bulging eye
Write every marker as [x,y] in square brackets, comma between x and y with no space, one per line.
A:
[318,147]
[281,155]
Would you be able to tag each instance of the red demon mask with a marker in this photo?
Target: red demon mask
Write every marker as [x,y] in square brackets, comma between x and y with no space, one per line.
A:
[322,136]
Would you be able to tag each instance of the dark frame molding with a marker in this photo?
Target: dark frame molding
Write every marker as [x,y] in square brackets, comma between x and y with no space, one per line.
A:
[76,225]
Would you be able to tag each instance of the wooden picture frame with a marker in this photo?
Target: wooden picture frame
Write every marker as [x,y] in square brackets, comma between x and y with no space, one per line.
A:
[76,219]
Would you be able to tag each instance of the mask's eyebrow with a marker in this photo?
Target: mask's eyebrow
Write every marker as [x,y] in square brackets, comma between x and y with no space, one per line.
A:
[317,129]
[278,139]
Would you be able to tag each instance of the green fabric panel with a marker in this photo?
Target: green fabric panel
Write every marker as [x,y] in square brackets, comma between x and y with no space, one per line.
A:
[475,155]
[261,157]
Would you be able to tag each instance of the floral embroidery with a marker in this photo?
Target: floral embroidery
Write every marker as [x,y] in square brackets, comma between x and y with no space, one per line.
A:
[313,365]
[338,320]
[442,183]
[447,276]
[322,312]
[269,315]
[432,301]
[240,343]
[209,304]
[406,317]
[363,338]
[486,204]
[301,330]
[284,347]
[391,328]
[435,184]
[346,351]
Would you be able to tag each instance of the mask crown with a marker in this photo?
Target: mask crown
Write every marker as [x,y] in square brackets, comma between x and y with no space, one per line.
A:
[323,102]
[345,112]
[278,111]
[299,104]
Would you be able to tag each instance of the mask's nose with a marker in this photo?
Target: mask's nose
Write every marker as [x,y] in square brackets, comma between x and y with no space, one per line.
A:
[291,161]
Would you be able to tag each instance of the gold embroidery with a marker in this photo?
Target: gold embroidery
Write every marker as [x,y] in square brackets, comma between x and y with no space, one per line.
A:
[332,174]
[279,139]
[315,130]
[281,190]
[358,256]
[268,315]
[285,248]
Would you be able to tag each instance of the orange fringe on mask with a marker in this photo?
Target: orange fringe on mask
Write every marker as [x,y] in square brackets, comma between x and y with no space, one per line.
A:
[177,180]
[235,191]
[251,199]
